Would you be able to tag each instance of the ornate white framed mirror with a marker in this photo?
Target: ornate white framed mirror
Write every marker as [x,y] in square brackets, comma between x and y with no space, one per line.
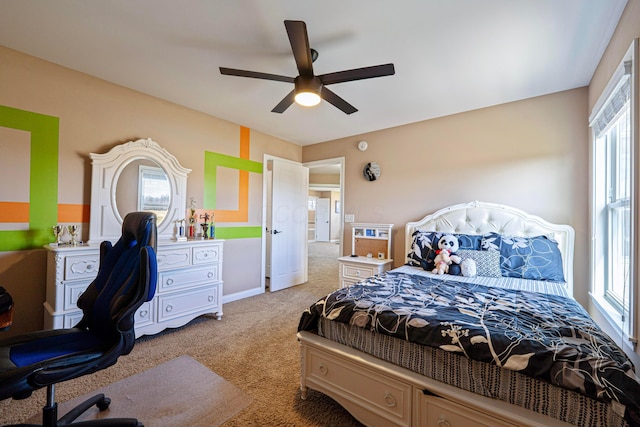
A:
[136,175]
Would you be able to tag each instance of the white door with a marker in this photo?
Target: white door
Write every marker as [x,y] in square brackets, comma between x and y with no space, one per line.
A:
[323,216]
[289,195]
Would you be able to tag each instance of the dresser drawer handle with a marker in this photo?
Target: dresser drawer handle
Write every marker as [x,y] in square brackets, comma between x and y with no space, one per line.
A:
[210,275]
[323,369]
[443,423]
[358,273]
[144,313]
[168,308]
[211,298]
[391,401]
[169,281]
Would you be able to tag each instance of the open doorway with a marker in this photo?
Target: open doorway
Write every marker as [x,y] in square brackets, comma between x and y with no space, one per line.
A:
[326,217]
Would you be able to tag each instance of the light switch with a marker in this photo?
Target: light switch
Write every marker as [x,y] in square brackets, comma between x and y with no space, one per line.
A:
[349,217]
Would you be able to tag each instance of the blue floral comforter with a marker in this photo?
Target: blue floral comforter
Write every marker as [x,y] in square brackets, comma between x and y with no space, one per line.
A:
[548,337]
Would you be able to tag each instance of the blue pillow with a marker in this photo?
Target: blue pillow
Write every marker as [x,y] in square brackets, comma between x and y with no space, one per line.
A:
[536,258]
[425,244]
[420,247]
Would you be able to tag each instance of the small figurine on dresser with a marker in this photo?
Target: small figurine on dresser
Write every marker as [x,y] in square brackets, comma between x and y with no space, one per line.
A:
[192,218]
[212,227]
[205,225]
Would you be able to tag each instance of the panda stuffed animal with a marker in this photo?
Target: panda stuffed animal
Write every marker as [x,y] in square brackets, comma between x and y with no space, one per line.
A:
[446,260]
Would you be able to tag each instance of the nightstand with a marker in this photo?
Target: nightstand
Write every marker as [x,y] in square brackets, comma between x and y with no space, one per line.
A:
[354,269]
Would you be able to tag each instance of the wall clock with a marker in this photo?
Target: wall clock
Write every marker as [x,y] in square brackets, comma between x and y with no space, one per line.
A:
[371,171]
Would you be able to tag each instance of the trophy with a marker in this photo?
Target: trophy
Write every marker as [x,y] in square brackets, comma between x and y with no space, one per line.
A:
[181,232]
[205,225]
[205,229]
[73,231]
[57,232]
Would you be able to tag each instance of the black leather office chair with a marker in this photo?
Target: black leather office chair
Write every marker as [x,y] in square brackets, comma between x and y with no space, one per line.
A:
[126,279]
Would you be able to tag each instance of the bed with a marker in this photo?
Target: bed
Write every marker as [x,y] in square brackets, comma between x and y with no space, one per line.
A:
[412,348]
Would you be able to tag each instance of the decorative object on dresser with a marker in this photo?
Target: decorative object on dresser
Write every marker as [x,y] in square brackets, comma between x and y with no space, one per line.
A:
[371,249]
[116,188]
[189,271]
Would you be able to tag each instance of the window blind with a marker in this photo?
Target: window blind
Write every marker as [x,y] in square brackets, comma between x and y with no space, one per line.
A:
[615,102]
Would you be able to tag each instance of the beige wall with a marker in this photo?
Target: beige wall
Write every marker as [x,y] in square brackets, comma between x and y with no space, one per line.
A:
[319,178]
[530,154]
[95,116]
[628,29]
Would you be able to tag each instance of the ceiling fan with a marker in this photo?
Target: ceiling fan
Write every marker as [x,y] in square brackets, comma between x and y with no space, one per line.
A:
[309,88]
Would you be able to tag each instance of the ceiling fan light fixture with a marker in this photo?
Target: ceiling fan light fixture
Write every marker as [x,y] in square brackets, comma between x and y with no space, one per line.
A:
[308,91]
[307,99]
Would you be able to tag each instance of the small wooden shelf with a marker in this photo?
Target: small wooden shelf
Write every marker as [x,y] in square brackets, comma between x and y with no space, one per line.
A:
[373,239]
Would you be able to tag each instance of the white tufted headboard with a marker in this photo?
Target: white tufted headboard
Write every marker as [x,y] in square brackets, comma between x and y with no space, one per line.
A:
[482,217]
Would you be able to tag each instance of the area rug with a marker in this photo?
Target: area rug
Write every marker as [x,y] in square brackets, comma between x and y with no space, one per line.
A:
[180,392]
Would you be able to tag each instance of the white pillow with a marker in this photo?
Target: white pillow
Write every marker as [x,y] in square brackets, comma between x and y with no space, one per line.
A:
[487,262]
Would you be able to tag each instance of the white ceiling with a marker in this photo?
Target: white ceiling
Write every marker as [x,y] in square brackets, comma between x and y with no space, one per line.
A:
[450,56]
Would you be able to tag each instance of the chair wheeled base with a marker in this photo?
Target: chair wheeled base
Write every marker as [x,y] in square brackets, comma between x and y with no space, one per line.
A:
[102,402]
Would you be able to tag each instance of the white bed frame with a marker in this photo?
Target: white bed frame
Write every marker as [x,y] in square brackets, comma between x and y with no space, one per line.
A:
[379,393]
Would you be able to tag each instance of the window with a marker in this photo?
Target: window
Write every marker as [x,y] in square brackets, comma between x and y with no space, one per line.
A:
[613,199]
[154,191]
[617,203]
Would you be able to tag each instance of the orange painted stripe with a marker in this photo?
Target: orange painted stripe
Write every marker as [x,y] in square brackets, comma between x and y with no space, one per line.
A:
[242,214]
[245,138]
[14,212]
[243,196]
[73,213]
[19,212]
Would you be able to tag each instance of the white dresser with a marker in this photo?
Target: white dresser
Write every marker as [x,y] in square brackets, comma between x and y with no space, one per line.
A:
[189,284]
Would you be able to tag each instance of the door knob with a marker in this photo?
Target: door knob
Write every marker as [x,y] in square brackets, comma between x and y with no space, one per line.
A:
[276,231]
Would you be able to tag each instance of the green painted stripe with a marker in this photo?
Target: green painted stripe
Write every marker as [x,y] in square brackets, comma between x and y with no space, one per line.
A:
[210,179]
[43,176]
[214,160]
[238,232]
[233,162]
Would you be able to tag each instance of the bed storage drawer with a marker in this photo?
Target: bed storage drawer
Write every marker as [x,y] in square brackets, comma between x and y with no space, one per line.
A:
[438,412]
[378,393]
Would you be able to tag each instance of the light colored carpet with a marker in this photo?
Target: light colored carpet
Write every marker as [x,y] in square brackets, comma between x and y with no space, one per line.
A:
[180,392]
[254,347]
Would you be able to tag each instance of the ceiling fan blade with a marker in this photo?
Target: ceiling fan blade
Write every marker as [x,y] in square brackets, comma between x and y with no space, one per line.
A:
[255,75]
[358,74]
[337,102]
[285,103]
[297,32]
